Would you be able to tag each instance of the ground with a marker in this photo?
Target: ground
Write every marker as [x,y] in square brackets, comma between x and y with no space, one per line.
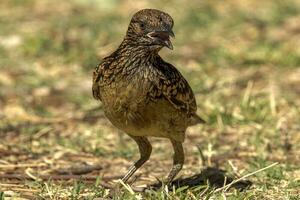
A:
[242,59]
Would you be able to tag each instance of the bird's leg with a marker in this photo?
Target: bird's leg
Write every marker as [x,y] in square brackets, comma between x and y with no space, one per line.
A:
[178,160]
[145,152]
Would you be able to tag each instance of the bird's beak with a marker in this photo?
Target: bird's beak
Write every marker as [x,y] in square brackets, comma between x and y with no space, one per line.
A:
[163,37]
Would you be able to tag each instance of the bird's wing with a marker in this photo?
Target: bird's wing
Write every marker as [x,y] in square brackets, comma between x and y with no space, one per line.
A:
[99,73]
[170,84]
[95,87]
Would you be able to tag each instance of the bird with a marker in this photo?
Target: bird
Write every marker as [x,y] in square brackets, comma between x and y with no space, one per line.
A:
[143,95]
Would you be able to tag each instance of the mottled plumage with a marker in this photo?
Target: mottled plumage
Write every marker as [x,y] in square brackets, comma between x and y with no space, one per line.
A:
[141,93]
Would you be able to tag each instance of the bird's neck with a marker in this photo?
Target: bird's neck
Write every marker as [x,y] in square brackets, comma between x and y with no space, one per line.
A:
[130,49]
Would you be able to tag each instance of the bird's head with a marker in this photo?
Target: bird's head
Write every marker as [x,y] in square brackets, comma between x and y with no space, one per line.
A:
[151,28]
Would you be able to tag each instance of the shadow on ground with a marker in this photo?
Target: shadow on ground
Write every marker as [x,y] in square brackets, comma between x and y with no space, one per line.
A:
[215,177]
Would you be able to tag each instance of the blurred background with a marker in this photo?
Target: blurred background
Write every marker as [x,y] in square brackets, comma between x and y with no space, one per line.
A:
[242,59]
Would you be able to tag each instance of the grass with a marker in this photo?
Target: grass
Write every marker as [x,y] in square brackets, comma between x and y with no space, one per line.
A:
[241,58]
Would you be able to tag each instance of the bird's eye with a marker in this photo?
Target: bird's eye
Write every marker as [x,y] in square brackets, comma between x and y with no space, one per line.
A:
[142,25]
[160,19]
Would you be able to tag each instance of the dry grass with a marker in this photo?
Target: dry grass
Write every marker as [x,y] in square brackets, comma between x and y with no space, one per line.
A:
[241,58]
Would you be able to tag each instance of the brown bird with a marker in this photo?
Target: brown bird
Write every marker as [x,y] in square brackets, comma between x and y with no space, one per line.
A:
[142,94]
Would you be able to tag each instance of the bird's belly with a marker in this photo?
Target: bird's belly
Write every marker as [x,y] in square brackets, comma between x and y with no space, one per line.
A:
[147,118]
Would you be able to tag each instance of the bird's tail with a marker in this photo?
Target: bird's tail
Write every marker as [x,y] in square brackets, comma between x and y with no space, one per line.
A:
[195,119]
